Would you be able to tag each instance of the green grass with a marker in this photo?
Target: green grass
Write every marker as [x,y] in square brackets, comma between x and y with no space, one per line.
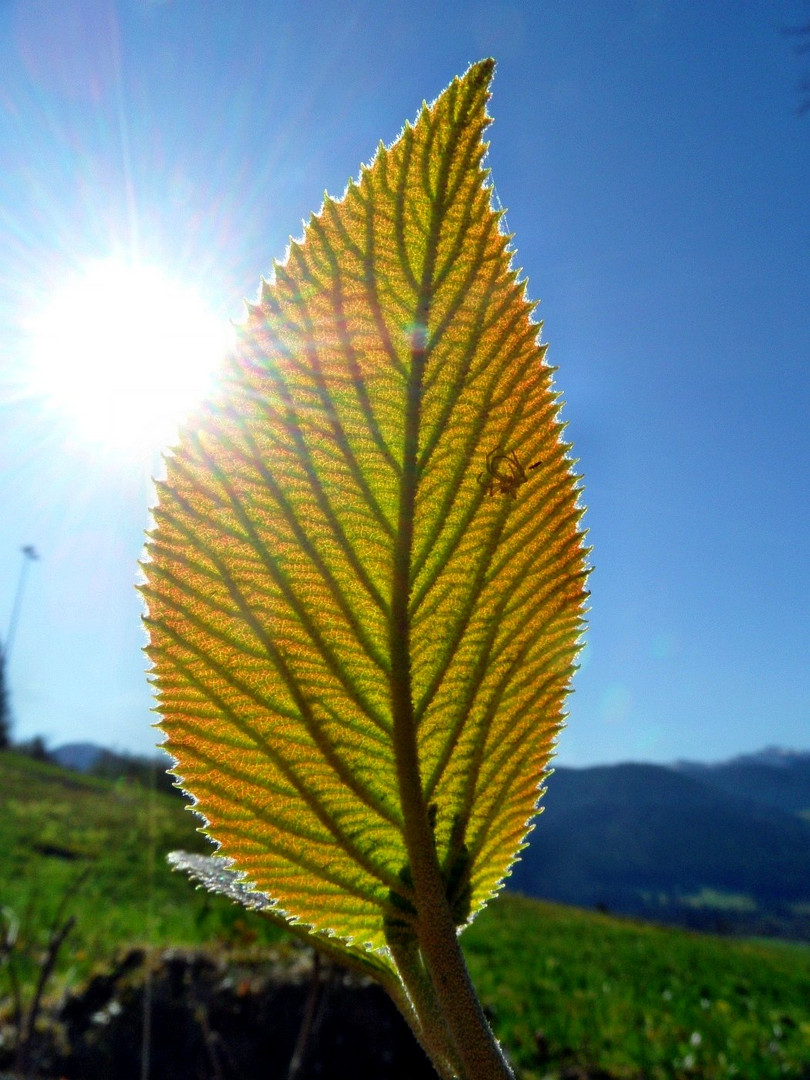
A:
[637,999]
[58,826]
[565,987]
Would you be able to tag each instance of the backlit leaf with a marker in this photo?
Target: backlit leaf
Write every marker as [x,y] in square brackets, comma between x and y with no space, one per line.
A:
[366,563]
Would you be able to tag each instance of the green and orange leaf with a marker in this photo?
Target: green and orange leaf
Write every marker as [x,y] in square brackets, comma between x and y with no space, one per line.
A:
[370,539]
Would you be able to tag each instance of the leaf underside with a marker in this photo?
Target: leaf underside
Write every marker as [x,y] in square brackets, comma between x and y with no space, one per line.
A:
[385,428]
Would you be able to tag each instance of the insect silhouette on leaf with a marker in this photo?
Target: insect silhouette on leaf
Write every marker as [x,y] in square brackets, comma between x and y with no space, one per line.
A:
[504,473]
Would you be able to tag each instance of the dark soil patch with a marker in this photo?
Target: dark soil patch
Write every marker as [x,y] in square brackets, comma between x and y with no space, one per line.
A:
[204,1017]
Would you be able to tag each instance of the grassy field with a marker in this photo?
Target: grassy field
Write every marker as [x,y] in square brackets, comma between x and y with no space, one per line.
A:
[565,987]
[639,1000]
[57,827]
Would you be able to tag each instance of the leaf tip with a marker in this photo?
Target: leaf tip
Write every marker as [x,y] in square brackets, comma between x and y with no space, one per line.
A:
[481,71]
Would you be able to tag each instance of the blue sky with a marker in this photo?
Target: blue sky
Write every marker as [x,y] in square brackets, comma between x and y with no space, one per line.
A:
[657,179]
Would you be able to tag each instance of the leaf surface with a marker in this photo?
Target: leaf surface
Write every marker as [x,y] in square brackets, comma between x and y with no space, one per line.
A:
[366,569]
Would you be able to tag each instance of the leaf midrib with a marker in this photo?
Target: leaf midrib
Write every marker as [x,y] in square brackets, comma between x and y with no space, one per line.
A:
[417,833]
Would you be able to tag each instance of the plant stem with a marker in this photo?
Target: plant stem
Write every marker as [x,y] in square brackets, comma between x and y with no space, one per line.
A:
[474,1041]
[427,1017]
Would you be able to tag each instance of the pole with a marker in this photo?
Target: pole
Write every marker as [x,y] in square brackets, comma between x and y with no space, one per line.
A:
[29,554]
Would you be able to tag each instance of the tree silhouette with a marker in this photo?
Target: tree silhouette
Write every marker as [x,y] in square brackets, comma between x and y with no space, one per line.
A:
[29,554]
[5,704]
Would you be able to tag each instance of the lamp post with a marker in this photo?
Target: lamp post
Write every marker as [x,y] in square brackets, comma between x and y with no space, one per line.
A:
[29,554]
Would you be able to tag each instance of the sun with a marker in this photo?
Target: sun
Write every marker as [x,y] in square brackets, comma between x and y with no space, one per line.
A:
[123,353]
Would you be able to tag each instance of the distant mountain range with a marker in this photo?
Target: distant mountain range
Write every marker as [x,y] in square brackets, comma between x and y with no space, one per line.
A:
[87,756]
[773,777]
[80,756]
[722,847]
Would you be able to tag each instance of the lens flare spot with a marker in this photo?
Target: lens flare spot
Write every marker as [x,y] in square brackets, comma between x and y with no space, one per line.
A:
[616,704]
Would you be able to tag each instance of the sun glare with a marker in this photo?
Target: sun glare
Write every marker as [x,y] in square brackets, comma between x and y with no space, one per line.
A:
[124,353]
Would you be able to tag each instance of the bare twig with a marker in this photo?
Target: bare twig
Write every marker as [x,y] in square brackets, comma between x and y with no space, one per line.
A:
[25,1020]
[55,943]
[313,1011]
